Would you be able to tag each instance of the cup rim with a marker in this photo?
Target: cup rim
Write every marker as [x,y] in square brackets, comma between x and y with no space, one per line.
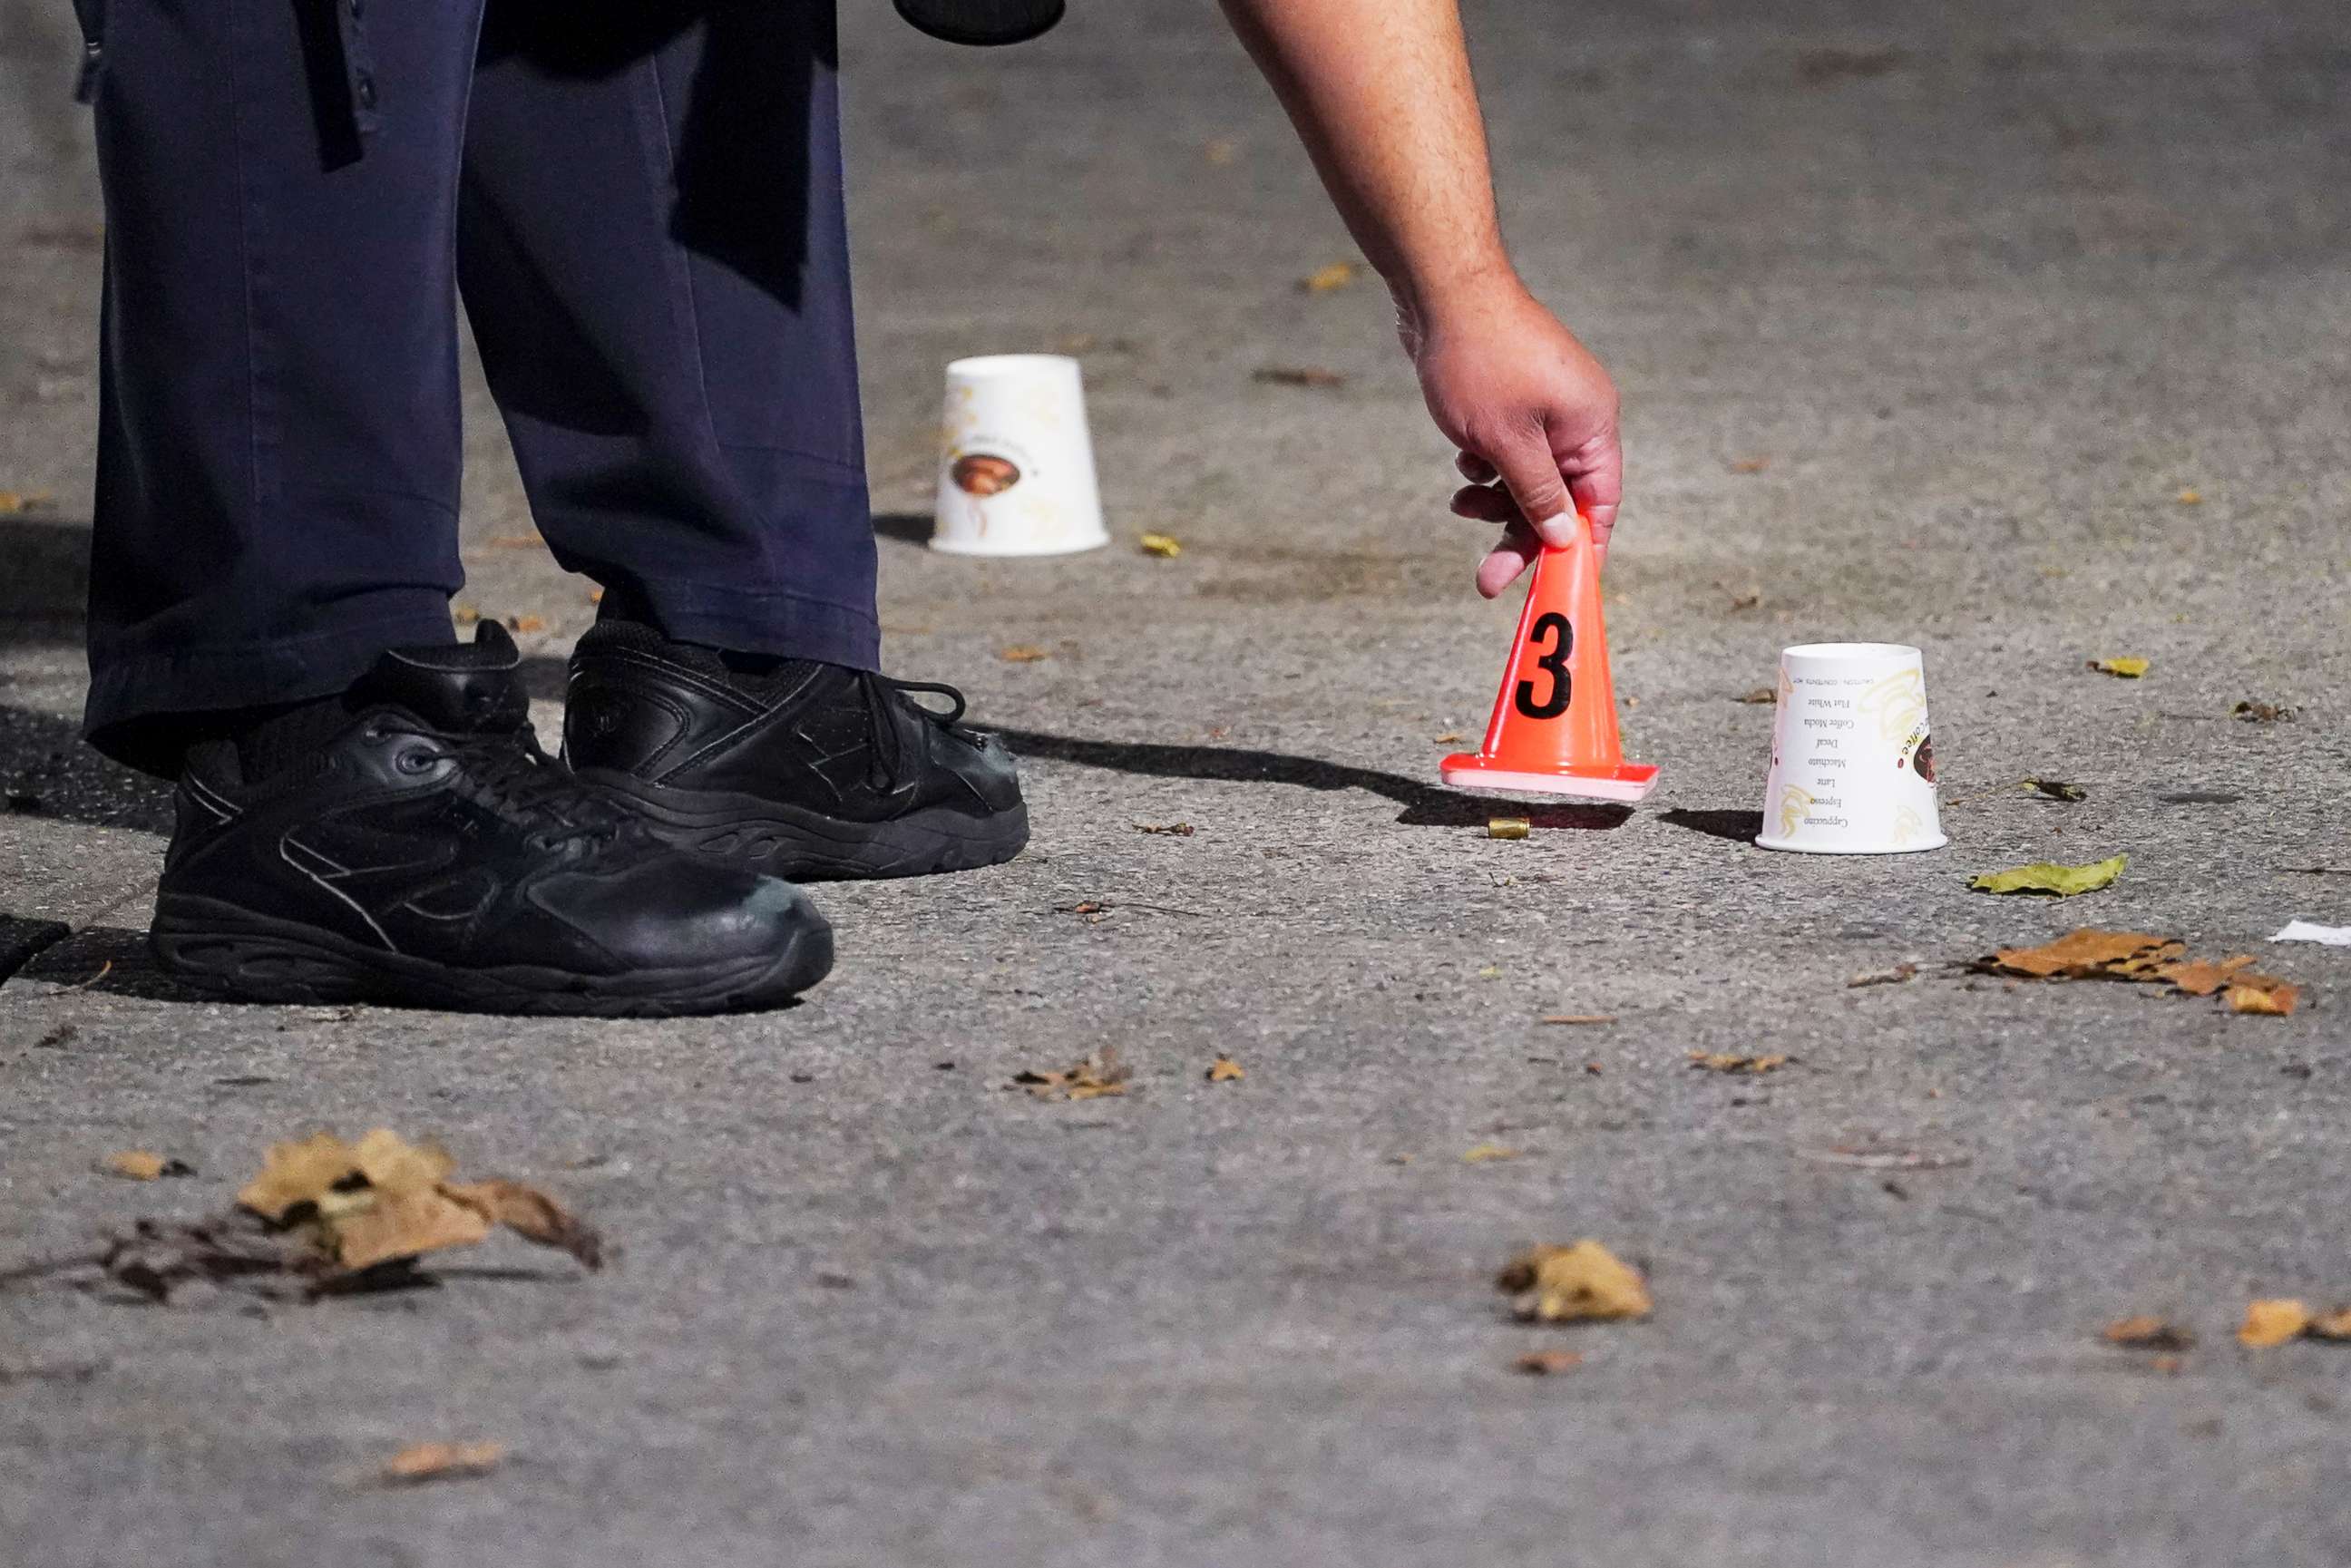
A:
[1851,651]
[1009,364]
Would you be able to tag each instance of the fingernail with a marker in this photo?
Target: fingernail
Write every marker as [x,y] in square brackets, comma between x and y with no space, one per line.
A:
[1558,532]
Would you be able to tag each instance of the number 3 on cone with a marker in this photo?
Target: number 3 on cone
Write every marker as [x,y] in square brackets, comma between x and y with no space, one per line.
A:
[1561,634]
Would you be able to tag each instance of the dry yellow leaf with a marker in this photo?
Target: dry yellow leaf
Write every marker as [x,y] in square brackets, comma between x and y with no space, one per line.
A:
[1023,654]
[2126,668]
[2272,1323]
[1225,1070]
[442,1462]
[1759,697]
[1089,1078]
[297,1175]
[1485,1154]
[1568,1284]
[1509,828]
[1727,1063]
[2200,977]
[2191,498]
[529,1214]
[14,501]
[2047,876]
[464,614]
[137,1164]
[1164,546]
[1336,276]
[2334,1325]
[406,1224]
[2261,994]
[595,596]
[2089,954]
[2148,1333]
[1549,1363]
[526,623]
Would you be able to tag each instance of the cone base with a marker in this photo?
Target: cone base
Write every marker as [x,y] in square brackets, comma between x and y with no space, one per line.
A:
[1050,547]
[1628,781]
[1790,846]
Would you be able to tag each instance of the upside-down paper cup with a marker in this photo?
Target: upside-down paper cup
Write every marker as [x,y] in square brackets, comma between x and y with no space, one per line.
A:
[1853,764]
[1016,462]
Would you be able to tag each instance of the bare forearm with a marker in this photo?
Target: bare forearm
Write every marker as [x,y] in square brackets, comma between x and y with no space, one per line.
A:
[1381,92]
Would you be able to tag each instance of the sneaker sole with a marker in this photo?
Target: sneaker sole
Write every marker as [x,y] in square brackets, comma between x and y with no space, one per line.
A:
[246,956]
[807,846]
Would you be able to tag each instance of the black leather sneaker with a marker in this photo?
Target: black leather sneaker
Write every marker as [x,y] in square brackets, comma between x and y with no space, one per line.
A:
[803,769]
[433,855]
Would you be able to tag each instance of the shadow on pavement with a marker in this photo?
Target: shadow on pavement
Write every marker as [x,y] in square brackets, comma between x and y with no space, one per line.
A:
[1425,805]
[1739,827]
[109,959]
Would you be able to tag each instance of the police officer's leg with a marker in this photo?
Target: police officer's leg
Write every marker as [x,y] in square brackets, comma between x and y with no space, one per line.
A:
[279,448]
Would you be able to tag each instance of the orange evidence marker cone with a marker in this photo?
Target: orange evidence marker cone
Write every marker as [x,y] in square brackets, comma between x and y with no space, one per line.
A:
[1554,726]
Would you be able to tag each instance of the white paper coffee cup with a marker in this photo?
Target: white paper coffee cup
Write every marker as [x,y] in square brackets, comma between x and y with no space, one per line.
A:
[1853,761]
[1015,461]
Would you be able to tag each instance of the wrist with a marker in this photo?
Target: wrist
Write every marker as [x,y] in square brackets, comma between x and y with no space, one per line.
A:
[1429,299]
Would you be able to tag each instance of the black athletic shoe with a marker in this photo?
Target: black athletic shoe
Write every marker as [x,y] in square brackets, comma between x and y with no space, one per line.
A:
[431,854]
[804,769]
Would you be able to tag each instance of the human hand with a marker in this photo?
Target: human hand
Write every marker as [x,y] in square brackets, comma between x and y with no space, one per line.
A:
[1532,411]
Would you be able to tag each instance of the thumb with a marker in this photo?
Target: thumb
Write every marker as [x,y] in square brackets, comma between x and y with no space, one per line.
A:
[1532,474]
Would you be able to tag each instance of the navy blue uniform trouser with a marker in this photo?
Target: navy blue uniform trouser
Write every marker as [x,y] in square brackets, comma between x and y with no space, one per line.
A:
[641,204]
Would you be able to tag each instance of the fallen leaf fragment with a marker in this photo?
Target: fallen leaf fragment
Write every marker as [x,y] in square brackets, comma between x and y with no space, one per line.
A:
[441,1461]
[526,623]
[2148,1333]
[144,1165]
[1172,830]
[2088,953]
[1549,1363]
[2199,977]
[2269,997]
[383,1200]
[1749,465]
[464,614]
[14,501]
[2056,789]
[1573,1284]
[1894,977]
[2335,1326]
[2046,876]
[1298,376]
[1579,1019]
[531,1215]
[1023,654]
[2127,668]
[2260,712]
[1486,1153]
[1160,545]
[1751,1065]
[1509,828]
[1089,1078]
[1225,1070]
[2189,497]
[1759,697]
[405,1225]
[2272,1323]
[1336,276]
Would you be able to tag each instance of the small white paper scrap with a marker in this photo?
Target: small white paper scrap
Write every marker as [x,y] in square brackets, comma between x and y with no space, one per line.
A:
[2303,931]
